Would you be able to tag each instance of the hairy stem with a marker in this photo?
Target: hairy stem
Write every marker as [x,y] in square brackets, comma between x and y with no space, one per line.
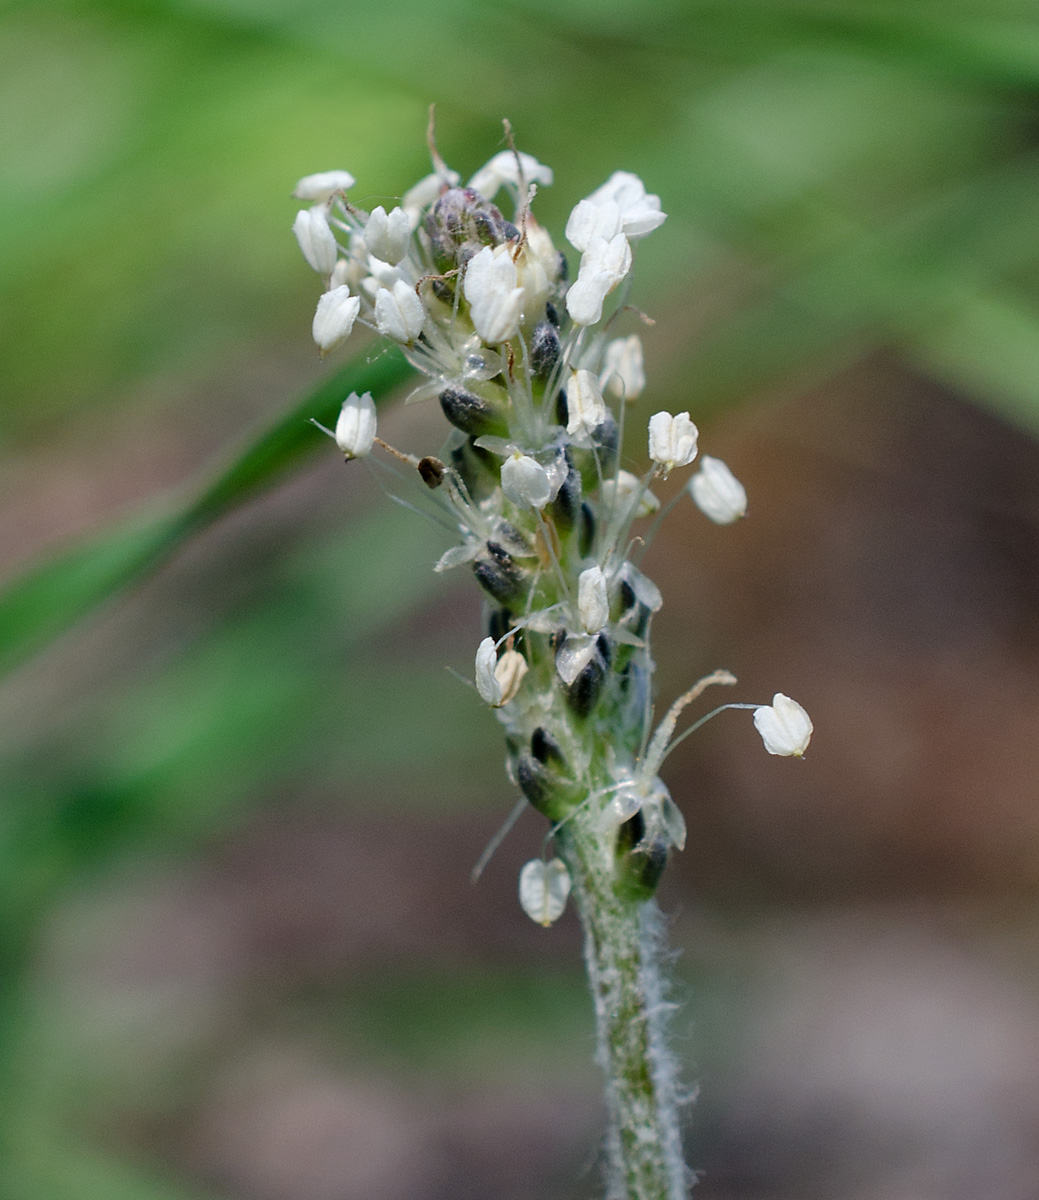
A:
[623,944]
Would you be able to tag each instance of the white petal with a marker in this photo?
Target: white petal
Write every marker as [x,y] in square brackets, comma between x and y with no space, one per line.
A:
[503,168]
[623,372]
[543,890]
[399,313]
[316,239]
[321,186]
[388,236]
[717,492]
[590,220]
[593,604]
[486,683]
[525,482]
[355,429]
[585,407]
[784,726]
[334,318]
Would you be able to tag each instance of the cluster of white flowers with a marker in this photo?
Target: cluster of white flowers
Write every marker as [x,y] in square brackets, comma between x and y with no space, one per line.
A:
[528,371]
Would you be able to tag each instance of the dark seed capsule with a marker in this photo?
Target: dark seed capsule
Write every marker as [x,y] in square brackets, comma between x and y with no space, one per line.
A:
[544,349]
[565,509]
[472,414]
[605,436]
[432,471]
[502,582]
[443,290]
[639,869]
[545,748]
[499,623]
[477,468]
[605,648]
[583,694]
[500,555]
[562,408]
[586,537]
[551,314]
[517,544]
[540,787]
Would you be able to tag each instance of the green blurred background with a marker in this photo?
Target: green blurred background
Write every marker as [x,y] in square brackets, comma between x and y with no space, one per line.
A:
[240,958]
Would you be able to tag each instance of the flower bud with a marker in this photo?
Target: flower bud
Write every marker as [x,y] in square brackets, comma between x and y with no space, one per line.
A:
[717,492]
[784,726]
[334,319]
[593,605]
[322,186]
[623,373]
[388,236]
[495,302]
[498,679]
[399,314]
[672,440]
[585,407]
[525,481]
[355,429]
[316,239]
[461,223]
[543,890]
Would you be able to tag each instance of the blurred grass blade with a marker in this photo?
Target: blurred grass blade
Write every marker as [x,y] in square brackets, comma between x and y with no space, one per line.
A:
[51,596]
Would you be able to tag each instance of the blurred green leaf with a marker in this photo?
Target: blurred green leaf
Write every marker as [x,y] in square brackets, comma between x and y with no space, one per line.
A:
[49,598]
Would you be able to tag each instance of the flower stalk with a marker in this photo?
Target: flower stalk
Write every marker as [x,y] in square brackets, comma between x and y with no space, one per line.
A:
[531,480]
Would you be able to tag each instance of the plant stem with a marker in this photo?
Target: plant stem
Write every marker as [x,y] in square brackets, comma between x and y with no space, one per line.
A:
[623,944]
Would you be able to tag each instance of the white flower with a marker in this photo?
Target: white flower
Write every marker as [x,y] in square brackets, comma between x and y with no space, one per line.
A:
[672,440]
[525,481]
[784,726]
[585,407]
[498,679]
[640,212]
[603,265]
[543,890]
[593,603]
[316,239]
[622,373]
[717,492]
[503,169]
[495,302]
[355,429]
[624,489]
[320,187]
[388,237]
[334,319]
[399,314]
